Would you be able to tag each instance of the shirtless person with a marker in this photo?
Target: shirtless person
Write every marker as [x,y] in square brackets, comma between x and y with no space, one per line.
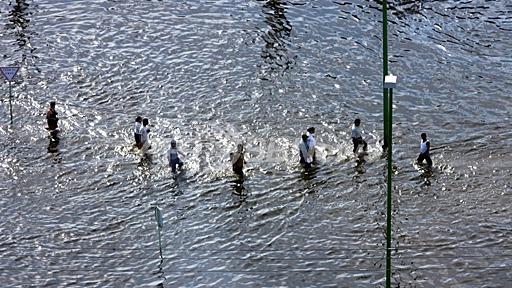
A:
[51,117]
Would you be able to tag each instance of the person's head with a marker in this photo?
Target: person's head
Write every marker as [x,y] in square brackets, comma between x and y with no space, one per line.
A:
[357,122]
[52,104]
[424,136]
[304,137]
[138,119]
[240,148]
[173,143]
[311,130]
[145,121]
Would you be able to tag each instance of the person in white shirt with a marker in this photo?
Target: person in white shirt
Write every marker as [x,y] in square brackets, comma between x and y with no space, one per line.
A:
[144,136]
[305,157]
[136,131]
[311,143]
[173,156]
[357,136]
[424,150]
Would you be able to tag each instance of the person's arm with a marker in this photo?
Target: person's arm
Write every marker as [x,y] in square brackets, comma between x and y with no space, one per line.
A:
[428,147]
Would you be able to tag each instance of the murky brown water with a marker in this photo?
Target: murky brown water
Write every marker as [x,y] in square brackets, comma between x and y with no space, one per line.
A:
[212,74]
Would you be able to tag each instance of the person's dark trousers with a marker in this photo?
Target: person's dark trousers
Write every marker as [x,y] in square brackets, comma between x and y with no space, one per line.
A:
[357,142]
[175,162]
[425,156]
[137,139]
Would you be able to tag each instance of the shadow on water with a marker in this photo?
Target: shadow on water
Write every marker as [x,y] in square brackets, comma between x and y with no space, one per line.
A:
[53,145]
[402,8]
[309,173]
[178,182]
[360,165]
[238,187]
[19,22]
[275,52]
[160,272]
[426,173]
[145,161]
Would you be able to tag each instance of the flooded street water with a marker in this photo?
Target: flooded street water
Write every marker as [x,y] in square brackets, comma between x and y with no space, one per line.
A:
[212,74]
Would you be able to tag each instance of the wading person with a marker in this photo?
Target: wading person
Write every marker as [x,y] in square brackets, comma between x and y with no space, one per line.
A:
[51,117]
[237,159]
[137,126]
[305,157]
[144,136]
[425,150]
[173,155]
[357,136]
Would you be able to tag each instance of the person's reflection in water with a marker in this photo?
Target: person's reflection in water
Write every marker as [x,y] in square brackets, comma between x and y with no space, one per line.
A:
[275,51]
[359,168]
[145,161]
[19,22]
[238,187]
[53,146]
[309,173]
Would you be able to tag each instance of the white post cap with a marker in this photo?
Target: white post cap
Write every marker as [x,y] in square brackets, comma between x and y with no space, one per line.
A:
[390,81]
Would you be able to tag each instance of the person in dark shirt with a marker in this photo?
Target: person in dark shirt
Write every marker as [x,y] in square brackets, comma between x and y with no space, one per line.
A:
[237,160]
[305,156]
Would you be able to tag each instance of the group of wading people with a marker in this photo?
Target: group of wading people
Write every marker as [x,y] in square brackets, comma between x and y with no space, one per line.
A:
[141,134]
[307,149]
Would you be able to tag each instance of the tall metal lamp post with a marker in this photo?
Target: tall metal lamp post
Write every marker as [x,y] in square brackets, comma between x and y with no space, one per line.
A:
[385,66]
[389,84]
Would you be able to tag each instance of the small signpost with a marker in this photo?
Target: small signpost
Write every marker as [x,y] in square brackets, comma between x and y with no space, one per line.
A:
[9,73]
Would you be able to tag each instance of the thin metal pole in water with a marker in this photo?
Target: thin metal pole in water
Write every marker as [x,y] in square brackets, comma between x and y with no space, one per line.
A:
[389,186]
[385,64]
[387,136]
[159,225]
[10,97]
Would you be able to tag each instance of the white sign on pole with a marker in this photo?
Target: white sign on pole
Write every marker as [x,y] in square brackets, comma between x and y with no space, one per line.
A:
[9,72]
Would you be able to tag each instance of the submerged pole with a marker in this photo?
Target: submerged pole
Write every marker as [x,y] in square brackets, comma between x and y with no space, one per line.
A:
[389,84]
[389,189]
[10,99]
[387,136]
